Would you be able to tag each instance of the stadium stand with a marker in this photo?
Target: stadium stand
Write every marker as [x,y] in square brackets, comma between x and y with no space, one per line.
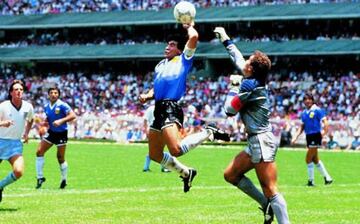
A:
[102,71]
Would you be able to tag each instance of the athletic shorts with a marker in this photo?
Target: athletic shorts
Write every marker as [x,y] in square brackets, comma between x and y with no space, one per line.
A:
[166,113]
[313,140]
[261,147]
[56,138]
[10,148]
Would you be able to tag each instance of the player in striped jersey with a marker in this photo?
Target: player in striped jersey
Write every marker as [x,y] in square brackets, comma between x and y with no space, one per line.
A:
[249,97]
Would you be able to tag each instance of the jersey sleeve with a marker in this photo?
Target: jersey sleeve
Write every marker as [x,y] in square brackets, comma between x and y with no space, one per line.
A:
[235,55]
[66,108]
[321,113]
[187,61]
[189,53]
[246,88]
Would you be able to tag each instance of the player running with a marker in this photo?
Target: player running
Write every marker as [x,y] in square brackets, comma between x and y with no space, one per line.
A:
[15,115]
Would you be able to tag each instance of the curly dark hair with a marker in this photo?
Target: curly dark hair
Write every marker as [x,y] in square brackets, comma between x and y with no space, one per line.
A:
[54,88]
[179,39]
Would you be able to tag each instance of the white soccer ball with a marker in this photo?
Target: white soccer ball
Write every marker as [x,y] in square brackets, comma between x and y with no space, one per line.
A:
[184,12]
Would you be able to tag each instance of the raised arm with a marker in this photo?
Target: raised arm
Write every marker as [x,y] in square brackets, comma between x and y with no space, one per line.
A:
[193,36]
[234,53]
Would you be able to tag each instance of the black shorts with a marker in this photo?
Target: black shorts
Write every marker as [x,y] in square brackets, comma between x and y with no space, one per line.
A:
[166,113]
[56,138]
[313,140]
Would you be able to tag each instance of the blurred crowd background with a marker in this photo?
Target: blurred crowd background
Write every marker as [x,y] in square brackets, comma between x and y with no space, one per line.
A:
[28,7]
[104,94]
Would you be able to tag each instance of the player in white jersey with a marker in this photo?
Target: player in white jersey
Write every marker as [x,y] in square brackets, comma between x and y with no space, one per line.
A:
[15,115]
[250,99]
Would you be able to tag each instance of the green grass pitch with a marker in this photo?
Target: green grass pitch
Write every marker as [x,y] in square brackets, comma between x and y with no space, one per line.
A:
[106,185]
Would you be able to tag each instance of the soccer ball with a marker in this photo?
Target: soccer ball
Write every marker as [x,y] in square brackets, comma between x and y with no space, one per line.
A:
[184,12]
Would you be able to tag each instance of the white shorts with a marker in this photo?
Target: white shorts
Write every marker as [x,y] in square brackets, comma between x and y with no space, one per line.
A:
[262,147]
[10,148]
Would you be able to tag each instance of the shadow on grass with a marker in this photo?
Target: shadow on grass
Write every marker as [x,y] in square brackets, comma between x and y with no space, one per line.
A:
[8,209]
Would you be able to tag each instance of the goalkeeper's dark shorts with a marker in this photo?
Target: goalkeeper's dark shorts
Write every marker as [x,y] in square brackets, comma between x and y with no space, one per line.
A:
[166,113]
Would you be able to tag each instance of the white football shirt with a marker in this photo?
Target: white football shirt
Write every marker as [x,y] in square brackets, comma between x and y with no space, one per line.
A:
[19,118]
[149,115]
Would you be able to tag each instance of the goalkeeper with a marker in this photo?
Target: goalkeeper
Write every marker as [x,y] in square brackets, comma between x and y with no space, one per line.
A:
[249,97]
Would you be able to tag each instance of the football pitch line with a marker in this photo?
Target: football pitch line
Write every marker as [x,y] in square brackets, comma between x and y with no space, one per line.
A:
[46,192]
[224,146]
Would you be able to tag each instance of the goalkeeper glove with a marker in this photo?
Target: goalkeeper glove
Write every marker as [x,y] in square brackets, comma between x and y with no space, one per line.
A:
[235,82]
[221,34]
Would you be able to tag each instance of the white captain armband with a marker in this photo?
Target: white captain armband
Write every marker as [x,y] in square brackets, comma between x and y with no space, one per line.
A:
[188,53]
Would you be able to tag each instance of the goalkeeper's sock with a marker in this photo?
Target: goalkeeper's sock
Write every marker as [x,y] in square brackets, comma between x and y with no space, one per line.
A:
[278,204]
[247,186]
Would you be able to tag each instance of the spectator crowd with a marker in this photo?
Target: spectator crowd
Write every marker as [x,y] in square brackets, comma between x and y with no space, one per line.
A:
[28,7]
[99,99]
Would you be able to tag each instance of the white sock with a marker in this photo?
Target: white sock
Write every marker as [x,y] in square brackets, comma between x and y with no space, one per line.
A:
[279,207]
[40,161]
[191,141]
[321,167]
[310,168]
[171,163]
[63,170]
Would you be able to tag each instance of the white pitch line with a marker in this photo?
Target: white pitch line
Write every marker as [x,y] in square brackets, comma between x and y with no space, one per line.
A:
[46,192]
[240,147]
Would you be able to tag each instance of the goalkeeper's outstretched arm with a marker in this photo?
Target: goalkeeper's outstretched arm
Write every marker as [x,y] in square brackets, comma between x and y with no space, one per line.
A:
[235,55]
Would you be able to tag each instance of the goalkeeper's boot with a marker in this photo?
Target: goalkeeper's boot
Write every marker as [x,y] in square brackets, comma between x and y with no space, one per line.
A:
[188,180]
[217,133]
[39,182]
[268,213]
[327,182]
[63,184]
